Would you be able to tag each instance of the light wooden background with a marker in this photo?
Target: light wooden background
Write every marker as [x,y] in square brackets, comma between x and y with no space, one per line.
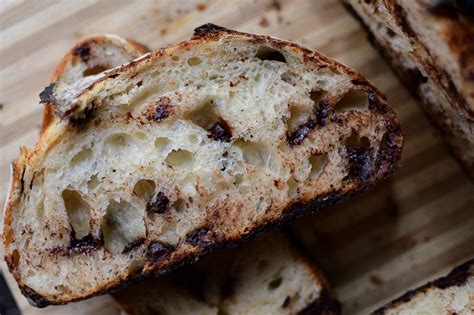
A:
[413,227]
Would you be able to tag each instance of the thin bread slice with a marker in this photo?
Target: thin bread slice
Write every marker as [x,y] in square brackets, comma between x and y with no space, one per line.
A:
[267,276]
[91,56]
[452,294]
[190,148]
[430,44]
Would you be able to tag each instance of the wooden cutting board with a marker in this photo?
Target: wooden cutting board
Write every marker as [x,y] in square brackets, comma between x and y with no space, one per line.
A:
[415,226]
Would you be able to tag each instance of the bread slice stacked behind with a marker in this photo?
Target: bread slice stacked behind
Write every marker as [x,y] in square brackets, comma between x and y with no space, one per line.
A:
[430,45]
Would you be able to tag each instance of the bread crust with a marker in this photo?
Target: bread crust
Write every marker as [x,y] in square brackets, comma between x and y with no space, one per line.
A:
[435,62]
[387,162]
[71,57]
[456,278]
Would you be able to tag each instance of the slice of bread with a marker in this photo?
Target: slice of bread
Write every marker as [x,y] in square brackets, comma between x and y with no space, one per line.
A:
[192,147]
[430,45]
[453,294]
[91,56]
[285,281]
[267,276]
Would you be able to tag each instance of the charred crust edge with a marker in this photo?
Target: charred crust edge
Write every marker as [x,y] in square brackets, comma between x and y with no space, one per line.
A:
[46,96]
[457,277]
[209,29]
[324,304]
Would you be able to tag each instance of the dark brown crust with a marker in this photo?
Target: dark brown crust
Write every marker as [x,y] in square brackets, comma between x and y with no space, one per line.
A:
[48,114]
[325,304]
[456,278]
[387,162]
[412,79]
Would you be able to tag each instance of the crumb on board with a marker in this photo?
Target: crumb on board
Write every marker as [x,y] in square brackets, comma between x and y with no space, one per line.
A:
[375,279]
[1,106]
[263,22]
[201,6]
[276,4]
[163,31]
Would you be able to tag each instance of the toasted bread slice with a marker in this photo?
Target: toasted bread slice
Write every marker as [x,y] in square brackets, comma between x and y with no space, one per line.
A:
[267,276]
[91,56]
[430,45]
[189,148]
[452,294]
[286,281]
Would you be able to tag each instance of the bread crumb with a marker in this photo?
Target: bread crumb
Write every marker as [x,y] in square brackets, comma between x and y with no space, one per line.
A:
[375,279]
[163,31]
[1,106]
[264,22]
[201,6]
[276,4]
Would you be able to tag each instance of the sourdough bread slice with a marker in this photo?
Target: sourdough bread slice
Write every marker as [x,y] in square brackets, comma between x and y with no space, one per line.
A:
[91,56]
[452,294]
[267,276]
[430,44]
[189,148]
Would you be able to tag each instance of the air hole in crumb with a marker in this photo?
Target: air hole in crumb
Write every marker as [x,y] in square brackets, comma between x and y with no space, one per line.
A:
[267,53]
[289,77]
[254,153]
[180,158]
[144,189]
[354,141]
[78,212]
[213,76]
[298,116]
[81,157]
[317,96]
[93,71]
[193,139]
[179,205]
[60,288]
[204,116]
[175,58]
[93,182]
[140,135]
[317,165]
[292,187]
[194,61]
[118,141]
[161,144]
[121,225]
[354,100]
[275,283]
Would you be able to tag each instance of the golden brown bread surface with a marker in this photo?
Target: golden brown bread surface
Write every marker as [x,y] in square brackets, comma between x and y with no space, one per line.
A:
[190,148]
[430,44]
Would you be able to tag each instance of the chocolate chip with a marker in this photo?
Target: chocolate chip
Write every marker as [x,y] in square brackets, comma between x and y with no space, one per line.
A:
[83,51]
[133,245]
[85,245]
[360,163]
[157,251]
[161,108]
[220,131]
[200,237]
[47,95]
[158,204]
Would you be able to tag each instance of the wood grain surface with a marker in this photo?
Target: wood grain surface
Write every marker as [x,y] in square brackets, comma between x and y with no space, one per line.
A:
[411,228]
